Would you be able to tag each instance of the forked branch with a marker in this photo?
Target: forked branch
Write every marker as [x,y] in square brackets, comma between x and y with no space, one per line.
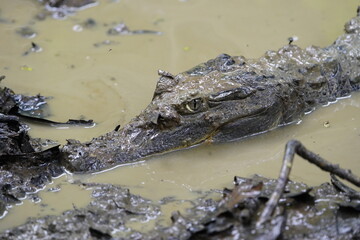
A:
[292,147]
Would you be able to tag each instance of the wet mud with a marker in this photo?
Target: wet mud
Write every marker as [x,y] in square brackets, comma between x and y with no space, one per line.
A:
[25,166]
[304,213]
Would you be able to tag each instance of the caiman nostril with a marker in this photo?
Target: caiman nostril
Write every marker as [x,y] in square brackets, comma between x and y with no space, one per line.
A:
[168,121]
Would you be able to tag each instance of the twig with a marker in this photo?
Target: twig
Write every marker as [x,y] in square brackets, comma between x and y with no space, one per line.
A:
[342,187]
[292,147]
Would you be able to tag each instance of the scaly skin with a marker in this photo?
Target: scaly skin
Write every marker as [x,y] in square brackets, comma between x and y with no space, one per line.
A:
[228,98]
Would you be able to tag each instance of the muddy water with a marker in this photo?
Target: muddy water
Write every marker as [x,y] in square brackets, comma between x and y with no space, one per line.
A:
[113,83]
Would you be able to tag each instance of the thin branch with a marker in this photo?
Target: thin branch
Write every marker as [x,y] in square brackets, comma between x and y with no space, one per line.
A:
[346,189]
[292,147]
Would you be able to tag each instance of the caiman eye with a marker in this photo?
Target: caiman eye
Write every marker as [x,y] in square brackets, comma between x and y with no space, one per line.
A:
[194,105]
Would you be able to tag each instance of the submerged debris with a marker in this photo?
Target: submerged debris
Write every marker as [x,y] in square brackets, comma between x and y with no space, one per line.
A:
[27,32]
[6,21]
[122,29]
[34,48]
[61,8]
[89,23]
[105,43]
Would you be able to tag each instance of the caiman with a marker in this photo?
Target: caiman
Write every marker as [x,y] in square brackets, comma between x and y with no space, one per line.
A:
[228,98]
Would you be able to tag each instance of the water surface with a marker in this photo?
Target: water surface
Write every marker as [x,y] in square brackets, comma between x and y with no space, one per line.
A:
[112,83]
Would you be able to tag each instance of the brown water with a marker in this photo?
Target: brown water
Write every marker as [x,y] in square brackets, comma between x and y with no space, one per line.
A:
[113,83]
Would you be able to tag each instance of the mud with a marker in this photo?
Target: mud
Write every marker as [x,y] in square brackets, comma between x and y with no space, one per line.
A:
[26,164]
[306,213]
[22,169]
[109,211]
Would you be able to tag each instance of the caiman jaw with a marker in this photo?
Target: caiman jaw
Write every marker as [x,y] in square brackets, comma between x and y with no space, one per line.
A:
[244,126]
[142,137]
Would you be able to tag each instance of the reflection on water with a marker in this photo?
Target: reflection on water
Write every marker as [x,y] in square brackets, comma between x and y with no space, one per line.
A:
[113,80]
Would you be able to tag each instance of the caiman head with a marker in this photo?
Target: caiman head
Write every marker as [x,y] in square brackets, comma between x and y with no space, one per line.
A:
[220,100]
